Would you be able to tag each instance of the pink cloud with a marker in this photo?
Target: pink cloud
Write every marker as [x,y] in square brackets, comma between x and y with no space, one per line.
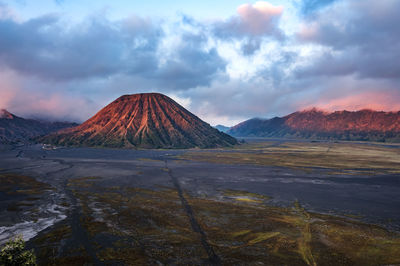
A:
[23,97]
[8,89]
[308,32]
[259,18]
[256,20]
[379,101]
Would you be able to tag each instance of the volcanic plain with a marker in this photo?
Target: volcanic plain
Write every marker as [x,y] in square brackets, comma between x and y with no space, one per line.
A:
[264,202]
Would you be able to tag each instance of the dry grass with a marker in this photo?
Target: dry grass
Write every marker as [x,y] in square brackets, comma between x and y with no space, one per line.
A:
[24,190]
[143,226]
[243,232]
[342,158]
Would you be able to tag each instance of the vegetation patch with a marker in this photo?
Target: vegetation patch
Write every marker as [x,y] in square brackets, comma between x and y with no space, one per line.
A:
[259,237]
[292,236]
[22,191]
[14,253]
[245,196]
[335,158]
[13,184]
[136,226]
[152,225]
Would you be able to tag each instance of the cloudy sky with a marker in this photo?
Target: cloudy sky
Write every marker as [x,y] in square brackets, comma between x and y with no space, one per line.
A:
[224,60]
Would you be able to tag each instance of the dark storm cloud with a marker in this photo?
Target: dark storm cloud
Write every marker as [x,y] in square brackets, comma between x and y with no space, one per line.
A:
[251,45]
[99,48]
[44,47]
[364,63]
[188,64]
[309,6]
[276,72]
[191,65]
[363,36]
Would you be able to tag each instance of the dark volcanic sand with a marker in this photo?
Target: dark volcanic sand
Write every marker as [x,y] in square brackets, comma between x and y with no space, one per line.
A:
[375,198]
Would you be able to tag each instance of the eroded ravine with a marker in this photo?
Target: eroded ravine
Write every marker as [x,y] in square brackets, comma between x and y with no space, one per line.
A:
[214,259]
[79,233]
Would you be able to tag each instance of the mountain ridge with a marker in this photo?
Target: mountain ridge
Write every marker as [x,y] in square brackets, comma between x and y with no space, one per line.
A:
[317,124]
[222,128]
[17,129]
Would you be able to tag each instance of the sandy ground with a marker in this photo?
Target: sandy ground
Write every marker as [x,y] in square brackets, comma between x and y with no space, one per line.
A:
[373,199]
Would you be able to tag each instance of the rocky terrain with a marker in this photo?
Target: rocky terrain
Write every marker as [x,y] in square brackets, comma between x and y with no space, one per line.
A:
[146,120]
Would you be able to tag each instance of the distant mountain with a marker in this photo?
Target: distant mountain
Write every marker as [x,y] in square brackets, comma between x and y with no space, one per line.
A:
[147,120]
[222,128]
[316,124]
[15,129]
